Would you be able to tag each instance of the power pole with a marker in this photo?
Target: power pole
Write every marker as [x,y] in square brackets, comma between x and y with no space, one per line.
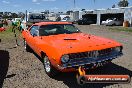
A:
[74,4]
[26,15]
[94,1]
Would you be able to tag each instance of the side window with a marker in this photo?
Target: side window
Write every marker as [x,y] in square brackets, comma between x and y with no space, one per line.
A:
[34,31]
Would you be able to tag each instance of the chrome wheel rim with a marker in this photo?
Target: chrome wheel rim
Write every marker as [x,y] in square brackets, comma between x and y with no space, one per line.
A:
[25,47]
[47,64]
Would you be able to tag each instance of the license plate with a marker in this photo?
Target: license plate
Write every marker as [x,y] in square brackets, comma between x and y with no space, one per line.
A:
[98,64]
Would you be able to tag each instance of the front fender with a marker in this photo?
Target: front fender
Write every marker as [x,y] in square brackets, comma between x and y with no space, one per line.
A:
[52,52]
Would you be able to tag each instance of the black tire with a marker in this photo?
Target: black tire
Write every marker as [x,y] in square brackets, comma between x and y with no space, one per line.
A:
[113,24]
[48,67]
[82,23]
[26,46]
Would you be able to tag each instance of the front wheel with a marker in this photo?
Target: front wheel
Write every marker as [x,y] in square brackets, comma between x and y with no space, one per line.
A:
[26,46]
[49,69]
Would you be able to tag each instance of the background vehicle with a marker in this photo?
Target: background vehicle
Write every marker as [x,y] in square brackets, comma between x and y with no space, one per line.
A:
[1,25]
[113,22]
[35,17]
[63,47]
[87,21]
[2,29]
[32,18]
[15,20]
[107,21]
[66,19]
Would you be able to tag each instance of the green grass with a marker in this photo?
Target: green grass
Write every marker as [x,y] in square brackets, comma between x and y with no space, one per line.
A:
[125,29]
[8,34]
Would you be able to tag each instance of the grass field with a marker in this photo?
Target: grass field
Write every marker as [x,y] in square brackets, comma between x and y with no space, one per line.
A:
[8,33]
[125,29]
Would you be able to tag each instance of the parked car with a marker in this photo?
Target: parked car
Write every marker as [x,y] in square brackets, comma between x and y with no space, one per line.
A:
[1,26]
[113,22]
[107,21]
[64,48]
[87,21]
[2,29]
[66,19]
[16,20]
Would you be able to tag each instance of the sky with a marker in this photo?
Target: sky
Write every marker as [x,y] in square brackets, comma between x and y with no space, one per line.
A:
[55,5]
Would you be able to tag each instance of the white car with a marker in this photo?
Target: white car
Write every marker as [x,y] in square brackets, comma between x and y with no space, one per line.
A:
[113,22]
[106,22]
[16,20]
[66,19]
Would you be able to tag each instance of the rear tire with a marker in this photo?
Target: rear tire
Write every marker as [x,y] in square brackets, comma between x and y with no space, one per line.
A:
[113,24]
[48,67]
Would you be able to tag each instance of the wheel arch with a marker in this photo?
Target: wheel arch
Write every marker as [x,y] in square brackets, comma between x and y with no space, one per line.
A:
[43,54]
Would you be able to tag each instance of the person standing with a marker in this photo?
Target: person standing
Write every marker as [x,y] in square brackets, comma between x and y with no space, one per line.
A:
[14,28]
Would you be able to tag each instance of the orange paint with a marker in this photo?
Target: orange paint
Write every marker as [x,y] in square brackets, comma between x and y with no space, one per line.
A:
[57,45]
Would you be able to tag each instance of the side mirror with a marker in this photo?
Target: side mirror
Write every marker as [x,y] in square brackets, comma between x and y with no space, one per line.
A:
[34,35]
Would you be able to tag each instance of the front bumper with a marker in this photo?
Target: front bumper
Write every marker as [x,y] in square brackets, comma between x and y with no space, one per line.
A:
[89,63]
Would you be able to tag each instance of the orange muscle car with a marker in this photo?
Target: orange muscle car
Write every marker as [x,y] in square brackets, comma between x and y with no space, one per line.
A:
[64,48]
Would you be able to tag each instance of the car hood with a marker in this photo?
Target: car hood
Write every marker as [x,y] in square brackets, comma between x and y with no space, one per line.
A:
[78,42]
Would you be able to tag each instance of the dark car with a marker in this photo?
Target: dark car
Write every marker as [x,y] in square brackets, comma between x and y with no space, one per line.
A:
[87,21]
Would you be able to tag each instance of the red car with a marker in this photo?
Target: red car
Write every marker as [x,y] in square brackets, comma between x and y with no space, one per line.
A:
[2,29]
[63,47]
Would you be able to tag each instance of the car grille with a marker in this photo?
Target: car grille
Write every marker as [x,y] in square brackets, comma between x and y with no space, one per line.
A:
[92,54]
[92,57]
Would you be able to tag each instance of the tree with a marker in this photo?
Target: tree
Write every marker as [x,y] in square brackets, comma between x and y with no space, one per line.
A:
[83,10]
[123,3]
[14,15]
[68,12]
[113,6]
[20,14]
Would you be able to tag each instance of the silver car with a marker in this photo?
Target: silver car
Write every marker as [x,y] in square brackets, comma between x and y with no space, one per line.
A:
[113,22]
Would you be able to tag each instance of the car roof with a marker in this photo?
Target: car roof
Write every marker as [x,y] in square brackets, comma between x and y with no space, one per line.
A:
[48,23]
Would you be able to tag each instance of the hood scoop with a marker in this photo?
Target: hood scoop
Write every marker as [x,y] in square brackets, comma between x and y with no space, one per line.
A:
[70,39]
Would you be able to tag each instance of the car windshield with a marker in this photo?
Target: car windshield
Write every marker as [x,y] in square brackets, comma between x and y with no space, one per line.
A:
[56,29]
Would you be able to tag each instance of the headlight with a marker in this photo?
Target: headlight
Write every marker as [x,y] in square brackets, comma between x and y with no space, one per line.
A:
[65,58]
[118,49]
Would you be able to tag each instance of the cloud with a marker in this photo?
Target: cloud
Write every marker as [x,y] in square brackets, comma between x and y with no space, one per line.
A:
[30,8]
[48,0]
[6,2]
[34,0]
[54,8]
[16,5]
[37,3]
